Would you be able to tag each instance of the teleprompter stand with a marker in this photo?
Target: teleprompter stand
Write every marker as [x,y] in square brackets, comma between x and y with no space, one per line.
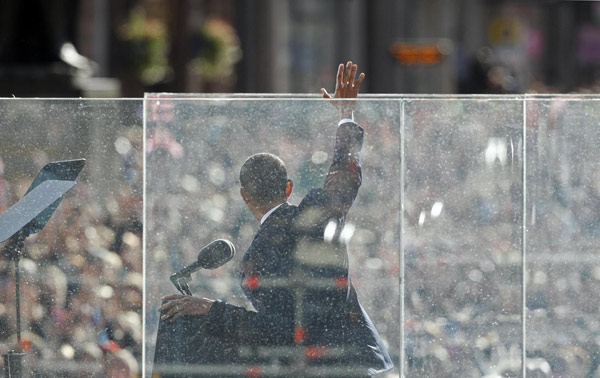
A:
[28,216]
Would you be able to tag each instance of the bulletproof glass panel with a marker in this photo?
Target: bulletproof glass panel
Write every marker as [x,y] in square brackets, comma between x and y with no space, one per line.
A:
[81,272]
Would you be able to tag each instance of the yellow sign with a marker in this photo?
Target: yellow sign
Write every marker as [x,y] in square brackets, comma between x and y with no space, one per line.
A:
[504,30]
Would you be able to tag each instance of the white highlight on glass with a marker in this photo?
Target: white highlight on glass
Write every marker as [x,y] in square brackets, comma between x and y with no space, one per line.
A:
[436,209]
[330,231]
[496,150]
[347,233]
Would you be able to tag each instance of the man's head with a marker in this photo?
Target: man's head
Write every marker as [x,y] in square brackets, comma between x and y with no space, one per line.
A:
[264,181]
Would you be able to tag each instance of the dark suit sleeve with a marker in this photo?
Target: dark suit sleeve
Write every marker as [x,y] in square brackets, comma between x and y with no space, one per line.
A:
[246,327]
[332,202]
[272,323]
[345,174]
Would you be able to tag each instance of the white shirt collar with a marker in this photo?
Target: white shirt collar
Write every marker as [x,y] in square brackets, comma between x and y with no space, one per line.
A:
[264,218]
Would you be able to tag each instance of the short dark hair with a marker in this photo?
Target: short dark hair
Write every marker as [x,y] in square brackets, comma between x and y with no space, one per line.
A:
[264,178]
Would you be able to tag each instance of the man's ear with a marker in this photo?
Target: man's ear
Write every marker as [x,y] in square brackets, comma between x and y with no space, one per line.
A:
[289,186]
[244,195]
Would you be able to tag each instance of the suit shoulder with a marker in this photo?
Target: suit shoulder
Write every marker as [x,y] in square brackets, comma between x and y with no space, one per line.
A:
[272,242]
[314,212]
[315,197]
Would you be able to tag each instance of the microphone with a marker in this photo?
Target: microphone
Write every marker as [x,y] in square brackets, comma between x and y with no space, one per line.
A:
[211,256]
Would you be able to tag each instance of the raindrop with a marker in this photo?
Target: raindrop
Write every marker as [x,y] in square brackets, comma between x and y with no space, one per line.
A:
[67,351]
[374,263]
[106,292]
[319,157]
[122,145]
[189,183]
[216,174]
[475,275]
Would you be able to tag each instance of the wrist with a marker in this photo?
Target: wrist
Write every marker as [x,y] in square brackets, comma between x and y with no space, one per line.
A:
[349,114]
[209,304]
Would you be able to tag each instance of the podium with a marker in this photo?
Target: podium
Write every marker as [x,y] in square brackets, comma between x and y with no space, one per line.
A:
[184,349]
[28,216]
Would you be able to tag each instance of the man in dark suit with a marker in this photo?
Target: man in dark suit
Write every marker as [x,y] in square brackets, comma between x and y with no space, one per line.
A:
[295,272]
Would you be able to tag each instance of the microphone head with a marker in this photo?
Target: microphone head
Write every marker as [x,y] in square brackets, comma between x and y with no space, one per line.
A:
[216,254]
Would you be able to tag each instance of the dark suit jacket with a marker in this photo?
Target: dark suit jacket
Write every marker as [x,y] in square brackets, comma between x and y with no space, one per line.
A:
[295,273]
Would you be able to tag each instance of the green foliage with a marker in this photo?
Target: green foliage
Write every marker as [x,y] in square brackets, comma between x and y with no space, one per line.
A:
[146,47]
[219,53]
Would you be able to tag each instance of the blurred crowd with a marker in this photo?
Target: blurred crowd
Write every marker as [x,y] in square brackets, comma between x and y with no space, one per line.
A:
[463,218]
[464,268]
[462,232]
[81,278]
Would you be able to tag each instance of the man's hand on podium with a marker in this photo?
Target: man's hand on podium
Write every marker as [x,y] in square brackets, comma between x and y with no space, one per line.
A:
[175,306]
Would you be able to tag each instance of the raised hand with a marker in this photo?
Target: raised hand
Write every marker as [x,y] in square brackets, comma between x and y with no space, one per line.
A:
[346,87]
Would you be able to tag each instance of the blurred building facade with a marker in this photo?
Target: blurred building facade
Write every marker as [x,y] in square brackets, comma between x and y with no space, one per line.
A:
[286,46]
[433,46]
